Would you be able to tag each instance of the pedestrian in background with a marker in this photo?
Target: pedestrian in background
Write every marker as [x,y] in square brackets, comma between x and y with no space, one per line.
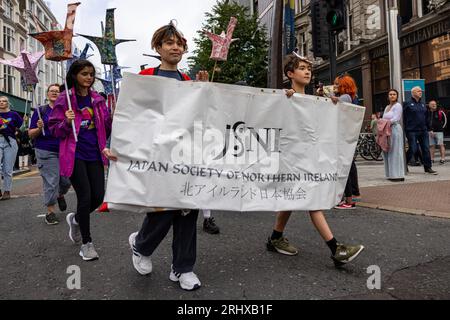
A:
[47,153]
[24,145]
[394,163]
[417,128]
[373,124]
[10,122]
[347,91]
[438,123]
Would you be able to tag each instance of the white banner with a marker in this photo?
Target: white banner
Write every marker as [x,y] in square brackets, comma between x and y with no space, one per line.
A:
[198,145]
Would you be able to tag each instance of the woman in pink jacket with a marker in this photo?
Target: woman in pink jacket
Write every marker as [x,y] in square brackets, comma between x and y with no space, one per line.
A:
[83,161]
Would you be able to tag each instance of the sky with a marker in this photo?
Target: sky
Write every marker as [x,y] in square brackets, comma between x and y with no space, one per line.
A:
[135,19]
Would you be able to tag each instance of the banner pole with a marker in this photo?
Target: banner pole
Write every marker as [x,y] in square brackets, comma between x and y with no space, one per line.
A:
[34,101]
[69,102]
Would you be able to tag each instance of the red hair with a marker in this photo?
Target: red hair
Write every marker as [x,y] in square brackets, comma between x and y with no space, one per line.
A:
[347,85]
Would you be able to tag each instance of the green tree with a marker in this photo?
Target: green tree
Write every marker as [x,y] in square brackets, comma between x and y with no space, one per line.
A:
[247,58]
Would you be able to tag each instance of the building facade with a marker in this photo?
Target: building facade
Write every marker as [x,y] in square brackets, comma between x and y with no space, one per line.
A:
[15,24]
[363,48]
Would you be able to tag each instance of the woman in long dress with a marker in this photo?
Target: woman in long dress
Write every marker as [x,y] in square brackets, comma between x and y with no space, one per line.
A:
[394,162]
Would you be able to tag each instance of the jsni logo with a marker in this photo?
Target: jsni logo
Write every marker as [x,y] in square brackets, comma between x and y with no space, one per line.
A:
[238,144]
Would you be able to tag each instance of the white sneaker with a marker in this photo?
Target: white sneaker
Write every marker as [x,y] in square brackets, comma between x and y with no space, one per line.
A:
[74,228]
[88,253]
[188,281]
[141,263]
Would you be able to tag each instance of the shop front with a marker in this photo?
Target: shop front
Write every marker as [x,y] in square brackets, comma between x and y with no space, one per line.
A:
[425,54]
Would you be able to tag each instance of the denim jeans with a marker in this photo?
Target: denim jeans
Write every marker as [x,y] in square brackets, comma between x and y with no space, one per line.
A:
[54,184]
[420,139]
[8,153]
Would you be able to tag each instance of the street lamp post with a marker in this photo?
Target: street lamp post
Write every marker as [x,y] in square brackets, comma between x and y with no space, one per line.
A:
[395,63]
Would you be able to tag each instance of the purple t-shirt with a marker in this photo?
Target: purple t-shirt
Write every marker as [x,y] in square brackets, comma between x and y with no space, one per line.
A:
[47,142]
[9,122]
[87,146]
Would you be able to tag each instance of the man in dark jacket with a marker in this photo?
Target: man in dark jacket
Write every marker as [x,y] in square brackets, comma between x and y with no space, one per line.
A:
[417,128]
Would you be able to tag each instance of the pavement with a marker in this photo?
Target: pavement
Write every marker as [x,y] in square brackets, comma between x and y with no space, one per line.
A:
[420,194]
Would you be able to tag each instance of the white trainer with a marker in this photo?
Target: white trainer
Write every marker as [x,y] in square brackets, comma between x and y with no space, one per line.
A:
[88,252]
[141,263]
[74,228]
[188,281]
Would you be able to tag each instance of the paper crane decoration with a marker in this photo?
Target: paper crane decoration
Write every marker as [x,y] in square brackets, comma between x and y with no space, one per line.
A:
[58,44]
[221,44]
[107,44]
[26,64]
[107,82]
[152,56]
[82,56]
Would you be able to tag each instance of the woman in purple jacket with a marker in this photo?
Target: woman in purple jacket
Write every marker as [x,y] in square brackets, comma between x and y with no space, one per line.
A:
[83,161]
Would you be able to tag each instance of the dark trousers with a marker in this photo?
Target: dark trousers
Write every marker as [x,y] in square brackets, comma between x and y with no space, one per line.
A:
[423,139]
[88,180]
[352,186]
[184,246]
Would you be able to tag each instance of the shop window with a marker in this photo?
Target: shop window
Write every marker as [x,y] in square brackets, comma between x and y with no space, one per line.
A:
[380,67]
[434,51]
[381,85]
[436,72]
[444,56]
[411,74]
[380,101]
[410,58]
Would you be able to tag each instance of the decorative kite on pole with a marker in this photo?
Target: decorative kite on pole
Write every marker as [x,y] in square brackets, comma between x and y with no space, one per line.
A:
[221,43]
[26,64]
[107,44]
[83,55]
[58,47]
[58,44]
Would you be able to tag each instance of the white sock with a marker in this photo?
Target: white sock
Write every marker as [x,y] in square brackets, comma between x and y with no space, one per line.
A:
[206,213]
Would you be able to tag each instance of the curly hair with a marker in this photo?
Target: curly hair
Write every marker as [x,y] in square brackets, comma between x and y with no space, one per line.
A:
[347,85]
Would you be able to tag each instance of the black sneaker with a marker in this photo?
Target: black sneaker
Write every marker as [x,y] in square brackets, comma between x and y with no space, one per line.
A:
[62,204]
[210,226]
[431,171]
[51,219]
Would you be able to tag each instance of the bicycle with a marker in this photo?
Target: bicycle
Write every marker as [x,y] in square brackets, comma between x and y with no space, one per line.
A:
[368,148]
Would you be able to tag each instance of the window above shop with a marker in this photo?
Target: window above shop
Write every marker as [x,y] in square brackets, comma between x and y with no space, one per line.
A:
[9,9]
[8,39]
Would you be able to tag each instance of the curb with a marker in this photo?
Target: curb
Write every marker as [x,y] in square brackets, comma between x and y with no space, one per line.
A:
[417,212]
